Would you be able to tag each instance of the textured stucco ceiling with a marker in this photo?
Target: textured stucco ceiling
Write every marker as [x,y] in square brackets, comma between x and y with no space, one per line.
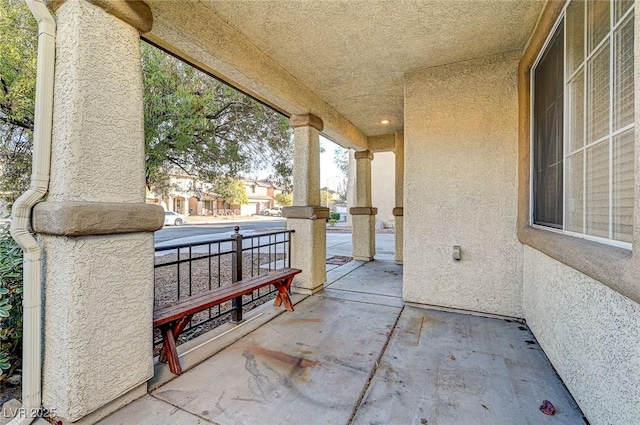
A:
[354,54]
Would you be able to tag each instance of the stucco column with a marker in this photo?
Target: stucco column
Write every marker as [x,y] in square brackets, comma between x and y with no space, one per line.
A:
[351,185]
[398,211]
[363,217]
[306,217]
[95,228]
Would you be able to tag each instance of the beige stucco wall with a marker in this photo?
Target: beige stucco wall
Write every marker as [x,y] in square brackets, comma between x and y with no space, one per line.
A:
[102,346]
[98,310]
[308,252]
[383,186]
[590,333]
[82,84]
[460,186]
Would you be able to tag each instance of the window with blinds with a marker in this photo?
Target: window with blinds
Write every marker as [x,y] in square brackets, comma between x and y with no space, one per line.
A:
[583,123]
[547,134]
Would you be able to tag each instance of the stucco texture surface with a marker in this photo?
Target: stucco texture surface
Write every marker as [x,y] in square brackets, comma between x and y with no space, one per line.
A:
[363,237]
[461,186]
[98,117]
[339,48]
[99,289]
[306,166]
[591,335]
[383,179]
[308,253]
[98,316]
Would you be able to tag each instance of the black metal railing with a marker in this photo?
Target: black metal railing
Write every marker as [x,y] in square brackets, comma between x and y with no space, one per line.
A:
[186,269]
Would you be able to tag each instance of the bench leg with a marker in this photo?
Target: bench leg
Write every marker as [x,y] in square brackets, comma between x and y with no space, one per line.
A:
[181,324]
[169,351]
[283,294]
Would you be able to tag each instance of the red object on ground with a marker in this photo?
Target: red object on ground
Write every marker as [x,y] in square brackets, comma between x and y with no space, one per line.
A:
[547,408]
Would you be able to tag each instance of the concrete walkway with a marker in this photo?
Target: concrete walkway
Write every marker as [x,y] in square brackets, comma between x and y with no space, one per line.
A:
[340,244]
[355,354]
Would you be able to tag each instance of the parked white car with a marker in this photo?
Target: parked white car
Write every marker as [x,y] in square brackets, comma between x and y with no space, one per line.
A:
[276,211]
[173,218]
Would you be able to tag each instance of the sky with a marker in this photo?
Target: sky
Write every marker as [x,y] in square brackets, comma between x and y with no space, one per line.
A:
[330,175]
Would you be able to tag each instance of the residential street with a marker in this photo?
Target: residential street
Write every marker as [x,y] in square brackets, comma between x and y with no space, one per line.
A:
[168,233]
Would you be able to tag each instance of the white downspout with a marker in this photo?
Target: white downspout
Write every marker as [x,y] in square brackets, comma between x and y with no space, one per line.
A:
[21,217]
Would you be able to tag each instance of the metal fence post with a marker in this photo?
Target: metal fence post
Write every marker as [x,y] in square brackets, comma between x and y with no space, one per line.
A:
[289,237]
[236,274]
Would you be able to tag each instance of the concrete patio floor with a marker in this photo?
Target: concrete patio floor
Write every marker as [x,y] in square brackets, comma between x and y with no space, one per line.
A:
[354,354]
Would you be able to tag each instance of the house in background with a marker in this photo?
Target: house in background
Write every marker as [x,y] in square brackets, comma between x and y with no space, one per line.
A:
[191,196]
[261,195]
[186,194]
[513,128]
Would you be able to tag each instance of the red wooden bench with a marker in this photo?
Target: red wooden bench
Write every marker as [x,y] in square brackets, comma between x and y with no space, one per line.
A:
[173,319]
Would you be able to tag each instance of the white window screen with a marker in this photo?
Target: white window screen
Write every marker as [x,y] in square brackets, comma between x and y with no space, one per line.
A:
[598,126]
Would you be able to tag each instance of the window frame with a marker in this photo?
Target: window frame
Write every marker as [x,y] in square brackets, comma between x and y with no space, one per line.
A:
[616,268]
[532,167]
[561,20]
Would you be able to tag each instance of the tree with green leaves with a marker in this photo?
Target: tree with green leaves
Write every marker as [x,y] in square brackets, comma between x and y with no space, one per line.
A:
[206,128]
[18,42]
[284,199]
[232,190]
[326,199]
[192,121]
[341,159]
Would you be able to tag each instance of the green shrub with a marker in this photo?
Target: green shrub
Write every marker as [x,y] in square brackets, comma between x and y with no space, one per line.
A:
[332,222]
[334,216]
[10,303]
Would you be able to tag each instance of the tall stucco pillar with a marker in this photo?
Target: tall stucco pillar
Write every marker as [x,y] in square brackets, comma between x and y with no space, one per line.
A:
[398,211]
[96,230]
[351,185]
[363,215]
[306,217]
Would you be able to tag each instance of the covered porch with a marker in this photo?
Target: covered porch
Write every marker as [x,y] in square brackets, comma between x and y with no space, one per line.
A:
[456,334]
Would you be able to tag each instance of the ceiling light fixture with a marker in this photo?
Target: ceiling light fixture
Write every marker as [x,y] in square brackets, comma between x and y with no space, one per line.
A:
[385,121]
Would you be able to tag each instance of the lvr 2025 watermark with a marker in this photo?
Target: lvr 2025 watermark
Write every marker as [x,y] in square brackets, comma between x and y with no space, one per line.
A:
[26,412]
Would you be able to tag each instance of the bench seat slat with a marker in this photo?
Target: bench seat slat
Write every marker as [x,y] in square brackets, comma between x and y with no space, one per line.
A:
[199,302]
